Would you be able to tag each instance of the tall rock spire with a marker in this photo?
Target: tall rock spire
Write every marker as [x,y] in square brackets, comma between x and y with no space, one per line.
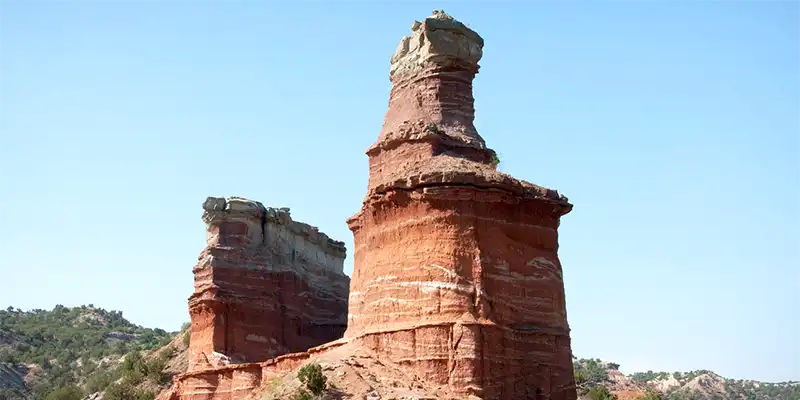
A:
[456,275]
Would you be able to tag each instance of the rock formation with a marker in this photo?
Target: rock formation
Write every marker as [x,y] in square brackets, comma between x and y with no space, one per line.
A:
[265,285]
[457,276]
[457,284]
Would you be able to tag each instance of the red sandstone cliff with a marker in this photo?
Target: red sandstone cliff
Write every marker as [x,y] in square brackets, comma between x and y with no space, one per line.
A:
[457,276]
[265,285]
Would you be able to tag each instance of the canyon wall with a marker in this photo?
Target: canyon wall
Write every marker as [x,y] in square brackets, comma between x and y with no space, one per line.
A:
[265,285]
[457,276]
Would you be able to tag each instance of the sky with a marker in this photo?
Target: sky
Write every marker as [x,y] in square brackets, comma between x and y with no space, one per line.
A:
[673,127]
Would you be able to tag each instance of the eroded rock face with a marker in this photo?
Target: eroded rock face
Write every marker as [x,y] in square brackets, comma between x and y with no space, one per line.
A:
[457,276]
[265,285]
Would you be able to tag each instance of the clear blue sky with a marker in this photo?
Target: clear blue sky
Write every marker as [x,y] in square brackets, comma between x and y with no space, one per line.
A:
[672,126]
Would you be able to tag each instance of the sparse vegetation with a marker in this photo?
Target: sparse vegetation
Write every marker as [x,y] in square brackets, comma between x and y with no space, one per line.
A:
[650,395]
[590,371]
[70,392]
[591,380]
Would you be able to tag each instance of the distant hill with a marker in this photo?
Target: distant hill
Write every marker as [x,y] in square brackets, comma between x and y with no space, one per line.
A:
[64,352]
[599,380]
[89,353]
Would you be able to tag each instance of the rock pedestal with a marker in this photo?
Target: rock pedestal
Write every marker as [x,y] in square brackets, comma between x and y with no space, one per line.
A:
[265,285]
[456,276]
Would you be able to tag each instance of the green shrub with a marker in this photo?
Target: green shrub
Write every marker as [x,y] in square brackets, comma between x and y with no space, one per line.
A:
[100,380]
[590,371]
[126,391]
[133,368]
[311,375]
[495,160]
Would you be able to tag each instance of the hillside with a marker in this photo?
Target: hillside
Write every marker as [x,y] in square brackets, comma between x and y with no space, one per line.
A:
[65,351]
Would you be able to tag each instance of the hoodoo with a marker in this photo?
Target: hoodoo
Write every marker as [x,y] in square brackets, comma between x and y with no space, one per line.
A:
[456,277]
